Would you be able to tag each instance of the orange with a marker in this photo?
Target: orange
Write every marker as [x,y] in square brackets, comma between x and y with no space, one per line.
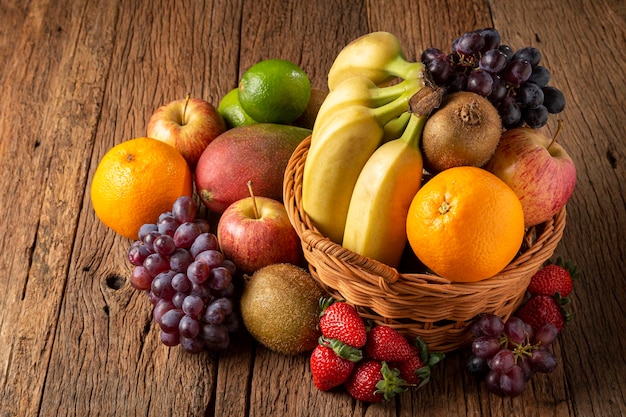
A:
[465,224]
[136,181]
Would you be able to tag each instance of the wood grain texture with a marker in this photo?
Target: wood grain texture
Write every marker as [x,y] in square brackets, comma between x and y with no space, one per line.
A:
[78,77]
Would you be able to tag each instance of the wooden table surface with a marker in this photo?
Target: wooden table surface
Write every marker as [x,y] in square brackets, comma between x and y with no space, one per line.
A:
[79,76]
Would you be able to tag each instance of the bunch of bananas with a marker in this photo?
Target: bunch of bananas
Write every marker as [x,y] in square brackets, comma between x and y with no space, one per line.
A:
[364,163]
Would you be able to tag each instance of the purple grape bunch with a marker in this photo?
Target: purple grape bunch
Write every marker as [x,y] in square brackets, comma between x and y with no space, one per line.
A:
[178,264]
[514,81]
[508,354]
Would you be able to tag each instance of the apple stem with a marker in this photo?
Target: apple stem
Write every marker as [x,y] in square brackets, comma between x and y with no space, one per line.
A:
[184,121]
[254,207]
[557,133]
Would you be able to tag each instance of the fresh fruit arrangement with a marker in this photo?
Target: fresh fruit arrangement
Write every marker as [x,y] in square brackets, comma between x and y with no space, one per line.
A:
[417,175]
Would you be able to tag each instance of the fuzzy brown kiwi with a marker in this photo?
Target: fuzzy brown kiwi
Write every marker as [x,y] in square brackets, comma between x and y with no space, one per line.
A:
[465,130]
[280,308]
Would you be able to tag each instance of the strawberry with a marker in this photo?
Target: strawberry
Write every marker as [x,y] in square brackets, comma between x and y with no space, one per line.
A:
[542,309]
[339,320]
[384,343]
[553,278]
[416,369]
[373,381]
[332,363]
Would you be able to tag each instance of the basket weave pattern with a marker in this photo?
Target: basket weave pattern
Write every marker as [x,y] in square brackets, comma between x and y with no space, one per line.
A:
[425,305]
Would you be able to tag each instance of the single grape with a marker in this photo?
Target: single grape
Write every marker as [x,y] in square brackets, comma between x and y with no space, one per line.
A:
[536,117]
[161,307]
[515,329]
[180,260]
[507,51]
[193,305]
[162,285]
[543,361]
[203,224]
[214,314]
[188,327]
[201,291]
[528,53]
[185,234]
[168,225]
[149,238]
[184,209]
[164,245]
[181,283]
[138,252]
[492,382]
[155,264]
[430,54]
[140,278]
[211,258]
[457,82]
[480,82]
[194,345]
[440,69]
[491,37]
[530,95]
[230,265]
[493,61]
[198,272]
[517,72]
[170,320]
[498,90]
[170,339]
[485,346]
[470,43]
[145,229]
[540,76]
[219,278]
[215,336]
[553,99]
[477,367]
[228,292]
[502,361]
[488,325]
[546,335]
[512,383]
[204,241]
[510,112]
[178,298]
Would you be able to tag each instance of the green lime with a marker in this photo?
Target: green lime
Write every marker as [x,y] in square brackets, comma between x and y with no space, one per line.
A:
[232,112]
[274,91]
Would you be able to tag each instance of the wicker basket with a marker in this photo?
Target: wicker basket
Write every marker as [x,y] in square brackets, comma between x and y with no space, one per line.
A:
[425,305]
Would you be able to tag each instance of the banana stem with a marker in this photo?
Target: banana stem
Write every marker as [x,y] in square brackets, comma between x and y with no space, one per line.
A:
[384,95]
[402,68]
[412,135]
[387,112]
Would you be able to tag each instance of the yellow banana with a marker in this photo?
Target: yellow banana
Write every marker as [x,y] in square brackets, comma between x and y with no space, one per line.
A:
[362,91]
[377,56]
[339,149]
[376,220]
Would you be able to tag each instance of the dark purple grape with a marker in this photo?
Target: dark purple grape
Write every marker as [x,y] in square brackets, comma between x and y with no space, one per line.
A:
[227,292]
[140,278]
[517,72]
[186,234]
[145,229]
[470,43]
[491,37]
[204,241]
[202,291]
[537,117]
[162,285]
[553,99]
[477,366]
[178,298]
[498,90]
[194,345]
[164,245]
[510,112]
[527,367]
[180,260]
[188,327]
[488,325]
[181,283]
[512,383]
[149,239]
[215,336]
[530,95]
[161,307]
[138,252]
[546,335]
[543,361]
[540,76]
[480,82]
[493,61]
[219,278]
[155,264]
[530,54]
[430,54]
[503,361]
[193,305]
[170,320]
[167,225]
[507,51]
[198,272]
[485,347]
[457,82]
[492,382]
[170,339]
[230,265]
[211,258]
[203,224]
[232,323]
[440,69]
[184,209]
[515,329]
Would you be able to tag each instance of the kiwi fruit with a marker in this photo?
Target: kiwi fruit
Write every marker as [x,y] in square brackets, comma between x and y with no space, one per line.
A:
[464,131]
[280,307]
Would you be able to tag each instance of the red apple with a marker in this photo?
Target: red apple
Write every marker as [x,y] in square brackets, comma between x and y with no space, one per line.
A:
[538,169]
[188,124]
[255,232]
